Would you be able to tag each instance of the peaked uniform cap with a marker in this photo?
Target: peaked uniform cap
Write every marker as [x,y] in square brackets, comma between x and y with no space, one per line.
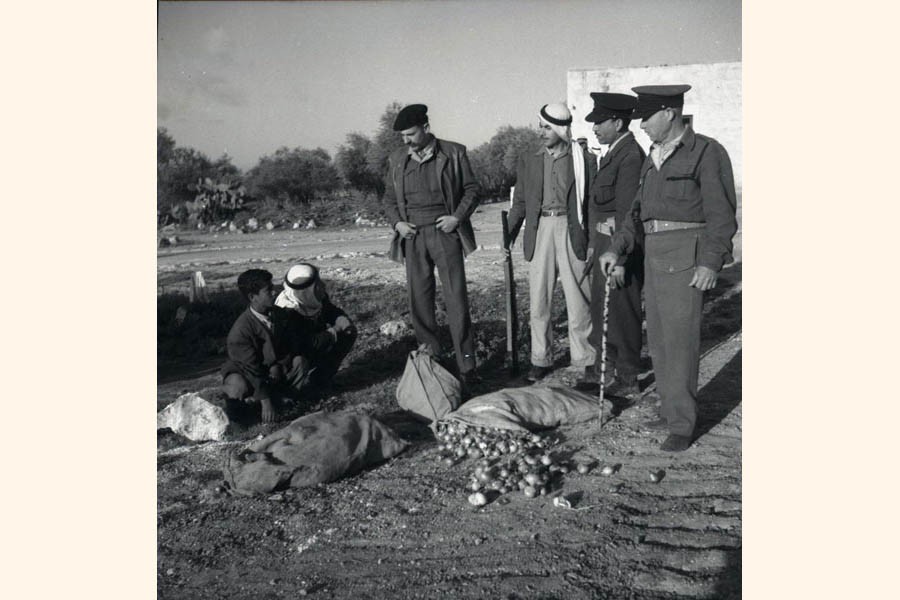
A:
[411,116]
[654,98]
[611,106]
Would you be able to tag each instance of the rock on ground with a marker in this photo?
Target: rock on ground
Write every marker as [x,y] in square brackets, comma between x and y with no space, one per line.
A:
[395,328]
[194,418]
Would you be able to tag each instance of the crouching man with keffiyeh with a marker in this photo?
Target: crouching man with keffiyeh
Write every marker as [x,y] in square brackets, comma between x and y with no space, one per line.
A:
[550,197]
[324,333]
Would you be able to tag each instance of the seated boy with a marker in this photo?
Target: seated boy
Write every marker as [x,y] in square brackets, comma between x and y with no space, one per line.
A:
[324,334]
[263,364]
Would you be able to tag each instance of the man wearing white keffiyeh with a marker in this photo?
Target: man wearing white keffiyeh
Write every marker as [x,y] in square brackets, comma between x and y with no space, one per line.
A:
[551,190]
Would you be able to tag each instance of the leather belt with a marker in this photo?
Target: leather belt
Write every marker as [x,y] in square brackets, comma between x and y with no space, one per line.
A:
[657,225]
[553,213]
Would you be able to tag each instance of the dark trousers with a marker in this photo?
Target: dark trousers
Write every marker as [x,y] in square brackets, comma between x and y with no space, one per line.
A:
[623,335]
[429,248]
[327,364]
[673,324]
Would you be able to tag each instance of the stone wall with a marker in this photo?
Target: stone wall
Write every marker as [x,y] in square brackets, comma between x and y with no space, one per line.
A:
[714,100]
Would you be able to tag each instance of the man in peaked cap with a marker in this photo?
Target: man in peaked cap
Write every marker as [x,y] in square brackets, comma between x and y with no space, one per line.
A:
[429,198]
[687,205]
[551,191]
[612,193]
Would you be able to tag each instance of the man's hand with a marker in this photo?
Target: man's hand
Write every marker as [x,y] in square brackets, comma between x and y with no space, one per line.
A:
[447,223]
[617,277]
[607,263]
[268,411]
[276,373]
[342,323]
[406,230]
[704,278]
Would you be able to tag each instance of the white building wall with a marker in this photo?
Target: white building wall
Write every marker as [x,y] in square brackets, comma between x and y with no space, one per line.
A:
[714,100]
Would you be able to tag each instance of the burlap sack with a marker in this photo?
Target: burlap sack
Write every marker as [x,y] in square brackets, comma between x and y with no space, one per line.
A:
[427,389]
[528,408]
[315,448]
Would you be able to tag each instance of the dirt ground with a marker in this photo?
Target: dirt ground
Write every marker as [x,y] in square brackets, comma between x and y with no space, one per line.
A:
[405,529]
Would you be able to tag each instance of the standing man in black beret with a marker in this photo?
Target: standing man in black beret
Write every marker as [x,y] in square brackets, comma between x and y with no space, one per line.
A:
[612,193]
[429,197]
[687,204]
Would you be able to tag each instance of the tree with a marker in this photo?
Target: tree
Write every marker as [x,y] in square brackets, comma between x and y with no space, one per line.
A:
[177,172]
[165,146]
[494,162]
[296,175]
[384,142]
[224,170]
[351,163]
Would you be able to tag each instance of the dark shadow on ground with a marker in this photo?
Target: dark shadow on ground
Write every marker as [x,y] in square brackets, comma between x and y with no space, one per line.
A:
[719,397]
[728,586]
[374,366]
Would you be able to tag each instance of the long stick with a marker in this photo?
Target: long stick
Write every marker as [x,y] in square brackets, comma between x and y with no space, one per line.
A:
[603,344]
[512,322]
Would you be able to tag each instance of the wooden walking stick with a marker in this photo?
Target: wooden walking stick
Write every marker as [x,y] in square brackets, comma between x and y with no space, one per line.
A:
[512,318]
[603,344]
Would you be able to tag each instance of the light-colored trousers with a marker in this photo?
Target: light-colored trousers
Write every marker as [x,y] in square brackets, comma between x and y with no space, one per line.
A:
[553,255]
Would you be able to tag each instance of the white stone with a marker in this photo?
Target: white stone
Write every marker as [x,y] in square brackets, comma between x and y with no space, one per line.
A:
[194,418]
[270,225]
[252,223]
[311,224]
[296,225]
[395,328]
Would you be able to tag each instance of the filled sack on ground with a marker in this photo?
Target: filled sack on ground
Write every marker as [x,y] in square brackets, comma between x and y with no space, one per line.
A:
[528,408]
[427,389]
[315,448]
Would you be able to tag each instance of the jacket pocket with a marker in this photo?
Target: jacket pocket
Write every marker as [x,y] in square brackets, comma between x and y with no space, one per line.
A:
[675,260]
[681,180]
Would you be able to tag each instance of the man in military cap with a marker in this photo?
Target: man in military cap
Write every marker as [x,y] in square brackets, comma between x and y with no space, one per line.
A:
[612,193]
[551,191]
[687,204]
[429,197]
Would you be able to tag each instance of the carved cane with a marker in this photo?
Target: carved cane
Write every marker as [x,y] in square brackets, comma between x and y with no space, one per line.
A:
[603,344]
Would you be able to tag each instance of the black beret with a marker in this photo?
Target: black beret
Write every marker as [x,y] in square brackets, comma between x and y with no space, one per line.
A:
[411,116]
[654,98]
[611,106]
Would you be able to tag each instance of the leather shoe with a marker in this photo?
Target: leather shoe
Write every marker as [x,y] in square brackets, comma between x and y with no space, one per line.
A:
[657,424]
[676,443]
[535,373]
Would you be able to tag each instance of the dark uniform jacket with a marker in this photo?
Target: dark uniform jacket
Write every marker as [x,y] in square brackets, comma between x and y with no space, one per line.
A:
[695,184]
[458,187]
[614,186]
[529,195]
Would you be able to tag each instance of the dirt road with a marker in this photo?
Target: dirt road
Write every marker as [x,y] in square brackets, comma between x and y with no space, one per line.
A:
[405,529]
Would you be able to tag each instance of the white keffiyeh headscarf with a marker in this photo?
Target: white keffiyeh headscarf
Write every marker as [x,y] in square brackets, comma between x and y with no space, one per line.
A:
[303,290]
[558,117]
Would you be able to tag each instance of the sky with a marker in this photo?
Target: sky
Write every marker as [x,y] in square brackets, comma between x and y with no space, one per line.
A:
[246,78]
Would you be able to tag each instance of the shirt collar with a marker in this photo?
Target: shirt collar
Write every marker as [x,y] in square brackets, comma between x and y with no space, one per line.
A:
[619,139]
[425,153]
[559,151]
[672,144]
[262,318]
